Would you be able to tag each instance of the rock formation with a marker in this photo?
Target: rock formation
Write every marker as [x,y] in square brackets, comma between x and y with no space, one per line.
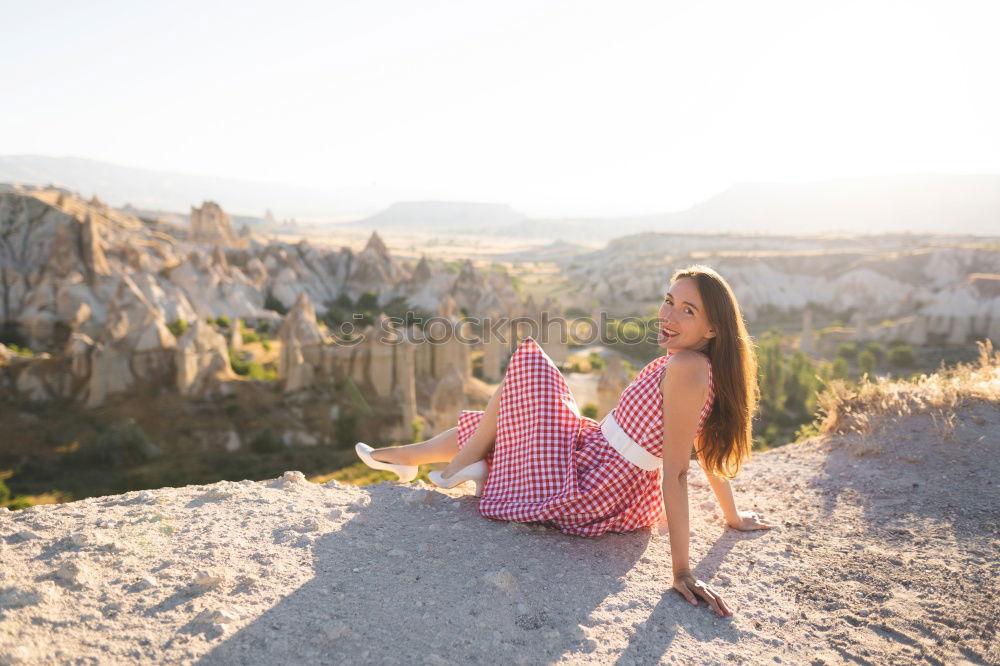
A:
[892,278]
[135,346]
[211,225]
[301,340]
[100,289]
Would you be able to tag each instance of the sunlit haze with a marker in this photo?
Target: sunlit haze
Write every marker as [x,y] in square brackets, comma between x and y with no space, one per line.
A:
[556,108]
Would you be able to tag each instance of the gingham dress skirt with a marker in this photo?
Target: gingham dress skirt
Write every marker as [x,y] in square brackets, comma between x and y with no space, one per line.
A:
[552,465]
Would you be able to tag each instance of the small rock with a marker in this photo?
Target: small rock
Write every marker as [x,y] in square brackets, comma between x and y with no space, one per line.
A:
[335,632]
[17,655]
[335,514]
[144,583]
[115,546]
[12,597]
[307,525]
[208,580]
[304,541]
[221,616]
[396,552]
[79,539]
[417,497]
[424,548]
[112,609]
[71,571]
[502,580]
[332,483]
[293,477]
[22,536]
[360,503]
[215,493]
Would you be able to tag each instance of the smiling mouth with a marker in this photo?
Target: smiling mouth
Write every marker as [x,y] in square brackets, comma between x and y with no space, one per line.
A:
[667,333]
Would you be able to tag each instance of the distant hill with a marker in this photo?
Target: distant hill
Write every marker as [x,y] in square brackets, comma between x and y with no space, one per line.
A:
[934,203]
[921,203]
[446,215]
[149,189]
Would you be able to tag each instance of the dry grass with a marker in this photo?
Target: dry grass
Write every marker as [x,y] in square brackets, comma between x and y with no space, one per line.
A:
[847,407]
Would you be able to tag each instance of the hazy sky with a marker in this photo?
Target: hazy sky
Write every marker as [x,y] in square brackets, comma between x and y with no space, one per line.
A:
[558,107]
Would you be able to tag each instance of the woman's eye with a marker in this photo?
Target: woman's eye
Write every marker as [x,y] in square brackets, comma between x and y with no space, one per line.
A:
[688,310]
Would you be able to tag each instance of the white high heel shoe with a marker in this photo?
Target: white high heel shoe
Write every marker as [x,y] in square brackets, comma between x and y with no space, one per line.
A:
[477,472]
[406,473]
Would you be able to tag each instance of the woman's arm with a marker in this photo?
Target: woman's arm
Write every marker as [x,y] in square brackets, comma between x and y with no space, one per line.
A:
[738,520]
[684,388]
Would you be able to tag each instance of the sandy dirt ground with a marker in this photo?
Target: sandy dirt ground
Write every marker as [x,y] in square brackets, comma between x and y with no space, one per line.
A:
[886,554]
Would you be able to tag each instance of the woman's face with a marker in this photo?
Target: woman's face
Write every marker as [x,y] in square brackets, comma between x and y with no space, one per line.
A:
[683,323]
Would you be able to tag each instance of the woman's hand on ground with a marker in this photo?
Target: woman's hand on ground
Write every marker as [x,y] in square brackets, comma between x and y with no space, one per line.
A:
[691,588]
[751,520]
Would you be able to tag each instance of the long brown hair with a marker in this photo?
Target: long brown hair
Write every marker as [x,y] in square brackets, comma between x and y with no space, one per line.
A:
[725,439]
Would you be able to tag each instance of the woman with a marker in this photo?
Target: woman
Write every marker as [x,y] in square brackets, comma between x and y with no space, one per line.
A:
[534,458]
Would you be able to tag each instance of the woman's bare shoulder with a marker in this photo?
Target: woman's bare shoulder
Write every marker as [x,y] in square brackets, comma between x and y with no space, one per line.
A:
[686,368]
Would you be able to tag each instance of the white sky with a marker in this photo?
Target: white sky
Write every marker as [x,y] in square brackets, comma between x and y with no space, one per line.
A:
[555,107]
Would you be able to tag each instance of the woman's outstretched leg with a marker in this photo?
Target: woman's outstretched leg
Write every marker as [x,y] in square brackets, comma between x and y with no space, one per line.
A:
[444,447]
[440,448]
[481,442]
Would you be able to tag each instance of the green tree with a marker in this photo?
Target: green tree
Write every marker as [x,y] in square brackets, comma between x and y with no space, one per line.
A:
[840,369]
[771,375]
[589,410]
[272,303]
[901,356]
[847,351]
[178,327]
[866,363]
[800,385]
[877,351]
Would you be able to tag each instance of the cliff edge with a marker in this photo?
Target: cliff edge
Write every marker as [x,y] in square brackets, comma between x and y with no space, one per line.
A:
[886,554]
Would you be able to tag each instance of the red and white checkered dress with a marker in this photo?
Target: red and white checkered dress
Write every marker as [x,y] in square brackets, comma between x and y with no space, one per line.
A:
[552,465]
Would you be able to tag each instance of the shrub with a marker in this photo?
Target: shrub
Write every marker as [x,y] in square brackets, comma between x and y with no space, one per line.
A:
[249,335]
[178,327]
[263,373]
[866,363]
[847,351]
[840,369]
[266,345]
[876,350]
[901,356]
[223,321]
[267,441]
[596,362]
[124,443]
[238,362]
[272,303]
[417,429]
[589,410]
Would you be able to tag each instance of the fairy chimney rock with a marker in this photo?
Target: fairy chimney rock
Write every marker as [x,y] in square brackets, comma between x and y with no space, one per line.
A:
[201,359]
[210,224]
[301,342]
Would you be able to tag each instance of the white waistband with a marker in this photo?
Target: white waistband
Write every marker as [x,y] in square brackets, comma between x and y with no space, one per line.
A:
[623,444]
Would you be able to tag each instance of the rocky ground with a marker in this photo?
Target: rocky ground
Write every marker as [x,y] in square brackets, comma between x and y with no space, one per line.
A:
[886,554]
